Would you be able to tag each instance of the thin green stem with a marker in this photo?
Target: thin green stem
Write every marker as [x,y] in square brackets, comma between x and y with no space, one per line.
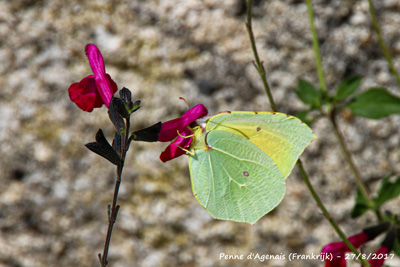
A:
[339,136]
[384,48]
[360,183]
[364,190]
[259,64]
[327,215]
[315,43]
[299,164]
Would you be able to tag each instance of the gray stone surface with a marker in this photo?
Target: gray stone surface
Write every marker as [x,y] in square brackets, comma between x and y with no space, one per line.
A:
[54,192]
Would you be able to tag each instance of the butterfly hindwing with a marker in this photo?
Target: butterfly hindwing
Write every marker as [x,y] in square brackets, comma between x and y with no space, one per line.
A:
[235,180]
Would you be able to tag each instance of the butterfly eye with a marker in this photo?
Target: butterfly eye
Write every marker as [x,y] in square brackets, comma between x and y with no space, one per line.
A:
[246,174]
[258,129]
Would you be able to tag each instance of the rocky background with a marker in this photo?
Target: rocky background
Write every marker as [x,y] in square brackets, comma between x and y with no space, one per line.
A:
[54,192]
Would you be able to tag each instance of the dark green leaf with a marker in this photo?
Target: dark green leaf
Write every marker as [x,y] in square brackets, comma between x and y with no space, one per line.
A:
[149,134]
[116,119]
[302,115]
[390,238]
[308,94]
[348,87]
[126,95]
[388,190]
[116,144]
[120,107]
[361,205]
[375,230]
[358,210]
[103,148]
[135,106]
[375,103]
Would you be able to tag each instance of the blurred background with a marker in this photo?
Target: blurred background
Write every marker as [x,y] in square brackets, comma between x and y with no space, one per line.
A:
[54,191]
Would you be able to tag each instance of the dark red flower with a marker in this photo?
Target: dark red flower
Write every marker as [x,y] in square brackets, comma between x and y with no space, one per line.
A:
[170,129]
[94,90]
[386,247]
[379,257]
[339,249]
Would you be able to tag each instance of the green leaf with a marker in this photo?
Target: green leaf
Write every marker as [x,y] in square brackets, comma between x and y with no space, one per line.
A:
[375,103]
[388,190]
[302,115]
[361,205]
[348,87]
[308,94]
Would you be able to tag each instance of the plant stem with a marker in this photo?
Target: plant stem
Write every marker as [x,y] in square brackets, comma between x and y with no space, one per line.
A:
[384,48]
[113,213]
[299,164]
[258,63]
[316,46]
[360,184]
[111,221]
[326,213]
[349,159]
[332,117]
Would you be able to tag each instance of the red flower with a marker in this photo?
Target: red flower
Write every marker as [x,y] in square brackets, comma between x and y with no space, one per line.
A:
[339,249]
[380,256]
[94,90]
[386,247]
[169,131]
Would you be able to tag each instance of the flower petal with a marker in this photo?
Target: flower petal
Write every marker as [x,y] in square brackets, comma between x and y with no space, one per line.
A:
[105,84]
[357,240]
[337,261]
[169,128]
[173,151]
[338,249]
[85,94]
[378,261]
[114,86]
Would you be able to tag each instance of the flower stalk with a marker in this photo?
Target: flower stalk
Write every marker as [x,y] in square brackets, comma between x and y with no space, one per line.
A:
[261,71]
[258,63]
[113,210]
[315,43]
[382,44]
[326,213]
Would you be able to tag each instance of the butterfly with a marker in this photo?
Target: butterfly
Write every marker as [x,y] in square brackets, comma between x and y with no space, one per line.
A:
[239,162]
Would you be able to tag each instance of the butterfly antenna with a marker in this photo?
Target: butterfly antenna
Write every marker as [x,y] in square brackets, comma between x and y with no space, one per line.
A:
[185,136]
[184,100]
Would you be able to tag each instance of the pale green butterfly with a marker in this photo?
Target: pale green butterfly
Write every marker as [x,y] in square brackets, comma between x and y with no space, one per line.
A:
[239,162]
